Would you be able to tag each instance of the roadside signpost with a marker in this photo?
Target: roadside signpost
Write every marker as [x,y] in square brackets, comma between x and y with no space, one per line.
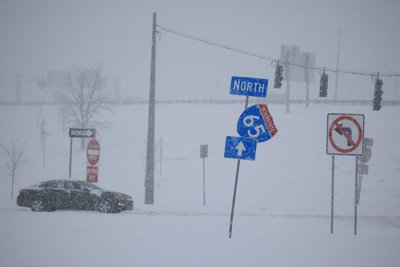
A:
[203,155]
[257,122]
[345,136]
[93,152]
[254,125]
[82,133]
[248,86]
[78,133]
[92,175]
[240,148]
[362,168]
[93,156]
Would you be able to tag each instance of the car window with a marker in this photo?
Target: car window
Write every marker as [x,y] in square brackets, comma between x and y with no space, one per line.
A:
[77,186]
[89,185]
[72,185]
[69,185]
[54,185]
[82,186]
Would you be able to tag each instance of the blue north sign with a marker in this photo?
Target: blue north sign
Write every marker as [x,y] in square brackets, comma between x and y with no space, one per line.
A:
[249,86]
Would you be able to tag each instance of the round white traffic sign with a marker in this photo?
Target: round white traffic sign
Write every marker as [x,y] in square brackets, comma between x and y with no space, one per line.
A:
[345,134]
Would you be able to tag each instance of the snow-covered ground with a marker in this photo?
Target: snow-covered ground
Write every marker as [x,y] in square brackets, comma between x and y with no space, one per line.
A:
[282,206]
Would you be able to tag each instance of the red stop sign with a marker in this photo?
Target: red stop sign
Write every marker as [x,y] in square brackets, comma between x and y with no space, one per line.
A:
[93,152]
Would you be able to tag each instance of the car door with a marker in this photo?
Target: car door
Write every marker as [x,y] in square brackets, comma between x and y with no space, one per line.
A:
[55,195]
[73,195]
[86,198]
[80,197]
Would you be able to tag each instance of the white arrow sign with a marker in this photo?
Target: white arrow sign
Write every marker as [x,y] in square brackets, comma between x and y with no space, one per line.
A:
[82,133]
[240,148]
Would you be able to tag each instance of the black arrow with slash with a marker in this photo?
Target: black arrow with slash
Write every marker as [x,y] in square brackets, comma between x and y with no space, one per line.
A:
[340,129]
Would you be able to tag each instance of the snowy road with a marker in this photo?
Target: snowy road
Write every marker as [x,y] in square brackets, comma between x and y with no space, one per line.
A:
[154,238]
[283,201]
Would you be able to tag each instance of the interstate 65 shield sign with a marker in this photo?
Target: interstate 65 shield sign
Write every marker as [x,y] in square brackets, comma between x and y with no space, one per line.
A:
[256,122]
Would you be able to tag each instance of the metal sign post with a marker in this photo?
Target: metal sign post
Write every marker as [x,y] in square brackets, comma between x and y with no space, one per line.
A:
[255,125]
[345,136]
[78,133]
[332,192]
[355,198]
[70,158]
[236,183]
[203,155]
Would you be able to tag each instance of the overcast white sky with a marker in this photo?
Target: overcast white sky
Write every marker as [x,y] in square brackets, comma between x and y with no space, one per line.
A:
[45,35]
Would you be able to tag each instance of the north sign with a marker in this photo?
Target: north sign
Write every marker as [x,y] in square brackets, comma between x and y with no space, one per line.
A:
[345,134]
[240,148]
[248,86]
[256,122]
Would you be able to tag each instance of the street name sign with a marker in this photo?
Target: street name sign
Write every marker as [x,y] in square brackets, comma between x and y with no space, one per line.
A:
[240,148]
[345,134]
[248,86]
[257,122]
[82,133]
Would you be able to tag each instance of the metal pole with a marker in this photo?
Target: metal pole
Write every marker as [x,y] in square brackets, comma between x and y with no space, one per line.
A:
[18,88]
[234,197]
[332,192]
[337,65]
[204,181]
[149,181]
[307,81]
[236,183]
[161,154]
[287,70]
[359,185]
[355,199]
[44,151]
[70,157]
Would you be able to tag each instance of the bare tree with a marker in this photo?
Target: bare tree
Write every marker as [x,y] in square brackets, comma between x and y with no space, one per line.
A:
[14,161]
[82,105]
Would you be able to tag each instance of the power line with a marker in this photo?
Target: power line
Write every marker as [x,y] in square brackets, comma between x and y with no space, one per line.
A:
[273,60]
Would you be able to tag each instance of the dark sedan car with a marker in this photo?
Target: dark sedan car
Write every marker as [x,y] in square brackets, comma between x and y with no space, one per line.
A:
[74,195]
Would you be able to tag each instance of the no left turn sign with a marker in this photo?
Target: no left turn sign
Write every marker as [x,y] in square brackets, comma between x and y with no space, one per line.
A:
[345,134]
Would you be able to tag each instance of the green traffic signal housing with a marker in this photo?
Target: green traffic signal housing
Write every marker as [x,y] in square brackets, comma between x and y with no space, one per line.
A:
[278,76]
[378,92]
[323,86]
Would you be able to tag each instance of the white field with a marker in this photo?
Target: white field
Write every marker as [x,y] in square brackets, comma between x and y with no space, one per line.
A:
[283,198]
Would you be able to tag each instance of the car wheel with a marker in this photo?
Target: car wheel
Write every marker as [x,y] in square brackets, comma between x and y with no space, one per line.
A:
[37,205]
[104,206]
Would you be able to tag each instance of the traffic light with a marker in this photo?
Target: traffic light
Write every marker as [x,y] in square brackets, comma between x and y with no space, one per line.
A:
[278,76]
[378,92]
[323,85]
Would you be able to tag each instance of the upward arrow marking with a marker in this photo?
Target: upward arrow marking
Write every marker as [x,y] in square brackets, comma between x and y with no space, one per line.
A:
[240,148]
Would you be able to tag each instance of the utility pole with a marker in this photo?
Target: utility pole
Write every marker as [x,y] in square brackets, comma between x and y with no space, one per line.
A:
[149,180]
[337,64]
[337,60]
[307,59]
[287,70]
[18,89]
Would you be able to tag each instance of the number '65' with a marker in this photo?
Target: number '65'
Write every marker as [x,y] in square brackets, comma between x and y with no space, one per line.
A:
[254,131]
